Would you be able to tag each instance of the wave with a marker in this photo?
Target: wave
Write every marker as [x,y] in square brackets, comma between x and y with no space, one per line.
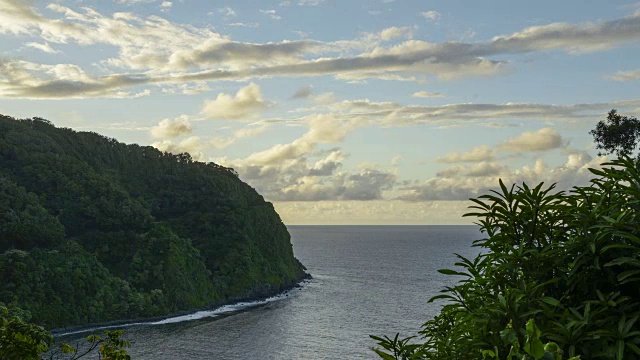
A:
[222,310]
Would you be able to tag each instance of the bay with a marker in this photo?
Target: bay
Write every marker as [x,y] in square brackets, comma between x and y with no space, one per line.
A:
[367,280]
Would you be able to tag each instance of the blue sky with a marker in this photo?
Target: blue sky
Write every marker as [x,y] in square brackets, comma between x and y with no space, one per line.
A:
[339,112]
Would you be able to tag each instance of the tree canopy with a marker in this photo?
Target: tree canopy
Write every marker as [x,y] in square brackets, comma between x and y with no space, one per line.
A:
[617,135]
[558,276]
[93,230]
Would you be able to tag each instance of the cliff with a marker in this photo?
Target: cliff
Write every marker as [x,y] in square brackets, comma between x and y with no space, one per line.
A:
[94,230]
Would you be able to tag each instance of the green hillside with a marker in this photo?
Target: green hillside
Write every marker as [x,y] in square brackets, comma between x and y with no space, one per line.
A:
[93,230]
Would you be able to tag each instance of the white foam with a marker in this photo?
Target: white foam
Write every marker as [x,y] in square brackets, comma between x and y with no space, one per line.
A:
[225,309]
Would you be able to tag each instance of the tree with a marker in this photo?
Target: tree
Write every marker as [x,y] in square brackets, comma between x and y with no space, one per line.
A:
[21,340]
[561,268]
[619,134]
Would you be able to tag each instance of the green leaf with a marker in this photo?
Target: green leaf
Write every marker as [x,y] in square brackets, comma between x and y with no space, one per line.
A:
[384,355]
[551,301]
[452,272]
[533,346]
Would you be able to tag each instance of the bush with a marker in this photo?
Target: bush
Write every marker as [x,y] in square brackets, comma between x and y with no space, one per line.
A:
[21,340]
[561,268]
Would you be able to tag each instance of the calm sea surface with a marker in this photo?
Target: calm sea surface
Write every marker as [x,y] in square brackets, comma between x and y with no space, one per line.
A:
[366,280]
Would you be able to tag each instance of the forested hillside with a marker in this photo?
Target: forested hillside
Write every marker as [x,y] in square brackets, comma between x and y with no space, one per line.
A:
[93,230]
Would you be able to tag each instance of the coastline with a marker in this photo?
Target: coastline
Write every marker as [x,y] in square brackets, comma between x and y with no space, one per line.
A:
[215,309]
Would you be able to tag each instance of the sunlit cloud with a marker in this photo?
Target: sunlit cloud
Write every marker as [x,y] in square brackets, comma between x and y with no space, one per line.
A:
[246,104]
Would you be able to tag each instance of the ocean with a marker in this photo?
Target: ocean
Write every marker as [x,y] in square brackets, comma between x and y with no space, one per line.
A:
[367,280]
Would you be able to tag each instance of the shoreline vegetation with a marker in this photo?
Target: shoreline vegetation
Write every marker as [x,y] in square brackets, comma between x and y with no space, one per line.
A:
[95,231]
[558,276]
[123,324]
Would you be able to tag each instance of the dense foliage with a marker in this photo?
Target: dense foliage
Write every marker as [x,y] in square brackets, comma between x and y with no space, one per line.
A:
[618,135]
[21,340]
[93,230]
[556,268]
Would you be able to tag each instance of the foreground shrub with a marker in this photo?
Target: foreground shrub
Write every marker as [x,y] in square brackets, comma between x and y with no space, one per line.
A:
[21,340]
[556,268]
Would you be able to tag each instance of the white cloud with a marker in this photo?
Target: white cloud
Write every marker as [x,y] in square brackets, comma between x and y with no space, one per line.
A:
[431,15]
[272,14]
[427,94]
[477,154]
[310,2]
[325,98]
[287,172]
[254,25]
[239,56]
[192,145]
[322,130]
[626,76]
[243,133]
[133,2]
[542,140]
[394,32]
[374,212]
[246,104]
[166,5]
[227,12]
[42,47]
[466,182]
[153,48]
[389,113]
[302,3]
[328,165]
[168,128]
[481,169]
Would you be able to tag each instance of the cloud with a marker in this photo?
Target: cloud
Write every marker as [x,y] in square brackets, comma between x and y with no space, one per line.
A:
[42,47]
[626,76]
[302,3]
[322,130]
[374,212]
[426,94]
[172,128]
[227,12]
[394,114]
[254,25]
[243,133]
[165,6]
[394,32]
[542,140]
[192,145]
[152,50]
[311,2]
[431,15]
[244,105]
[481,169]
[477,154]
[297,171]
[466,182]
[572,38]
[303,92]
[299,179]
[133,2]
[365,185]
[328,165]
[272,14]
[239,55]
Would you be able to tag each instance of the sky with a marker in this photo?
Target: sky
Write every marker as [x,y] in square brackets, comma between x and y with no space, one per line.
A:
[338,112]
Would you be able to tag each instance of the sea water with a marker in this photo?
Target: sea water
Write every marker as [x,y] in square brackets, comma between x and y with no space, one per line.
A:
[367,280]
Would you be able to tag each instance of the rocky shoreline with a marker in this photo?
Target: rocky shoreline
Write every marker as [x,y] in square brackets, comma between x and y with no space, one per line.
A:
[255,295]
